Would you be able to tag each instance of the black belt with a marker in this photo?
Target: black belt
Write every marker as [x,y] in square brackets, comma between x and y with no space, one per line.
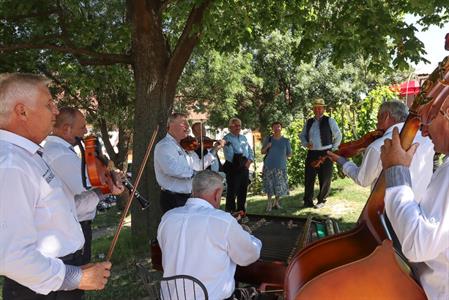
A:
[174,193]
[72,256]
[87,222]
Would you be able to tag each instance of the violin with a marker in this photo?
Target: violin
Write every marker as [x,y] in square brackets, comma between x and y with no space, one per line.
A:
[99,169]
[352,148]
[191,143]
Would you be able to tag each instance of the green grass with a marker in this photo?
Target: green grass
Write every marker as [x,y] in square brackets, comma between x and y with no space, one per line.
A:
[344,204]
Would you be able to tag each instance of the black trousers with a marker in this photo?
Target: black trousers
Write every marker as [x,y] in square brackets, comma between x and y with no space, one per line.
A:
[169,200]
[13,290]
[86,226]
[237,185]
[324,173]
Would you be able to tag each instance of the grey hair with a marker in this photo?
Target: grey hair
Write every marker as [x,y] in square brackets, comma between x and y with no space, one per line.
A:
[15,87]
[205,182]
[398,110]
[174,116]
[234,120]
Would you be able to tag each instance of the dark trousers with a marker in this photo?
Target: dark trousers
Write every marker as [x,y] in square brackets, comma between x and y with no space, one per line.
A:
[86,226]
[169,200]
[237,185]
[324,173]
[15,291]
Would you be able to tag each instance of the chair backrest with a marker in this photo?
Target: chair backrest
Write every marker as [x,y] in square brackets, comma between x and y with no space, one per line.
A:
[179,287]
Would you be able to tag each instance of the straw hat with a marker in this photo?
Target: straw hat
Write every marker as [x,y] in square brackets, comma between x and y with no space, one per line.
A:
[319,102]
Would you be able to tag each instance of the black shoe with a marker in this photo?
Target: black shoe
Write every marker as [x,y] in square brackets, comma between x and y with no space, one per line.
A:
[306,205]
[319,205]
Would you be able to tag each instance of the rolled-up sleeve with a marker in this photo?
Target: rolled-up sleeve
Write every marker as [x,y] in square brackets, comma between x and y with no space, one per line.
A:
[421,228]
[244,248]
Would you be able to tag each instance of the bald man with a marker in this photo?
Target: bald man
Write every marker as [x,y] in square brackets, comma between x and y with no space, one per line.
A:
[59,153]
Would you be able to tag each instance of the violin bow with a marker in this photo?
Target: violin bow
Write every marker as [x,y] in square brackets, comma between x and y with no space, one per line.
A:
[201,144]
[128,203]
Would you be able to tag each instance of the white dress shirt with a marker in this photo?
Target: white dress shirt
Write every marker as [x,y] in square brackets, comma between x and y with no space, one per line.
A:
[206,243]
[66,164]
[423,230]
[38,219]
[421,168]
[174,167]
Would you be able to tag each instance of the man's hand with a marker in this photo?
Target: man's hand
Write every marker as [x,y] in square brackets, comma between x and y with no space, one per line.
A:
[309,146]
[246,228]
[334,157]
[95,276]
[115,182]
[392,153]
[219,145]
[248,163]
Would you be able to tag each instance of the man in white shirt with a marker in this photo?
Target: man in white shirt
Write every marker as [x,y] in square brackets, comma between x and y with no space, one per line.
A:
[391,114]
[202,241]
[422,227]
[174,166]
[40,236]
[59,153]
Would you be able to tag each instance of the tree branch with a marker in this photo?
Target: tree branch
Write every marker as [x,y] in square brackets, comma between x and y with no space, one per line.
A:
[98,58]
[30,15]
[186,42]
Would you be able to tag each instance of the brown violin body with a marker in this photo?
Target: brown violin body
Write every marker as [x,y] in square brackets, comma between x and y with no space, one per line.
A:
[99,169]
[350,149]
[191,143]
[346,251]
[97,165]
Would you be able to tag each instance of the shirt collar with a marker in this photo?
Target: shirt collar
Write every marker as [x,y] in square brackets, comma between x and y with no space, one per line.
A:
[171,138]
[199,202]
[390,129]
[19,141]
[58,140]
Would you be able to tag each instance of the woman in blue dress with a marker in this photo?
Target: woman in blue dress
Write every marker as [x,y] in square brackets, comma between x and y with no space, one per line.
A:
[275,181]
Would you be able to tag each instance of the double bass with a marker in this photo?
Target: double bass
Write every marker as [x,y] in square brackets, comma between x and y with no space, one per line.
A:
[337,259]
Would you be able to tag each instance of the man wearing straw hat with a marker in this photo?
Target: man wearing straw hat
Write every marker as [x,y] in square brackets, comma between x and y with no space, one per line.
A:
[320,134]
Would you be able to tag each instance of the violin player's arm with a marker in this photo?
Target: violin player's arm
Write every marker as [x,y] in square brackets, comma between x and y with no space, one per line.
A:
[369,169]
[197,164]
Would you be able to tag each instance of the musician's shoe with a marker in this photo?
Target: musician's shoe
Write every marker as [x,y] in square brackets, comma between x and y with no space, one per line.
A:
[307,205]
[319,205]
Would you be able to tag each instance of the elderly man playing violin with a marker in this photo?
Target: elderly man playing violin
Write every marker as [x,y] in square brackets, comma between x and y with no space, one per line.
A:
[175,166]
[69,128]
[41,238]
[392,114]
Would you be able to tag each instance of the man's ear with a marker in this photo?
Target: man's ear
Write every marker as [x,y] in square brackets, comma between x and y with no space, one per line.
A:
[66,128]
[20,111]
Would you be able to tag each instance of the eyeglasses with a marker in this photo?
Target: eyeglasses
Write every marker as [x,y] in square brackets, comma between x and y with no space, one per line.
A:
[428,122]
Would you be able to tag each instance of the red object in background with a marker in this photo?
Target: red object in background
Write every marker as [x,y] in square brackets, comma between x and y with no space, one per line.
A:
[406,88]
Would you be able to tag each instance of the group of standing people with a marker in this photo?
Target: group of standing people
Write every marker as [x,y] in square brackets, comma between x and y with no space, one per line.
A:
[46,208]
